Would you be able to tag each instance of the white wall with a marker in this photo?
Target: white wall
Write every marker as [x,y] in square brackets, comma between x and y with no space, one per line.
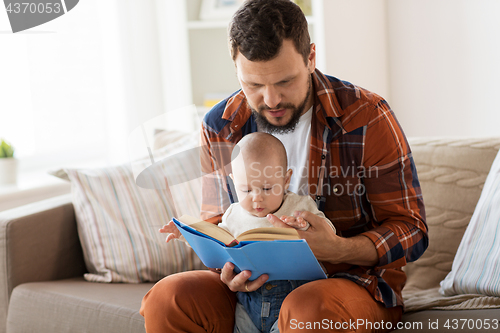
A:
[356,43]
[445,69]
[436,62]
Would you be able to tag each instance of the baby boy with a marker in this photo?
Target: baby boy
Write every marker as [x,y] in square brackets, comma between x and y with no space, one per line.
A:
[261,178]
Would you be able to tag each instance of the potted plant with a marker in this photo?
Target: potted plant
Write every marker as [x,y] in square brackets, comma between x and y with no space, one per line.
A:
[8,164]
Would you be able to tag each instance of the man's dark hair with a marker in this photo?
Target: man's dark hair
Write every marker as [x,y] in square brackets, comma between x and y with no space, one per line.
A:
[259,27]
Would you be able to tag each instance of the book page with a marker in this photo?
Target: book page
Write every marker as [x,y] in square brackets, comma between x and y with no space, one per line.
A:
[257,234]
[265,234]
[208,229]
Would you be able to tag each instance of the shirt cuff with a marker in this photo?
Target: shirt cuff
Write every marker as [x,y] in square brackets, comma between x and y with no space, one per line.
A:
[389,249]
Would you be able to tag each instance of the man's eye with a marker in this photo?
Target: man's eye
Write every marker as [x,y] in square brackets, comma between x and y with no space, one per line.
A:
[285,83]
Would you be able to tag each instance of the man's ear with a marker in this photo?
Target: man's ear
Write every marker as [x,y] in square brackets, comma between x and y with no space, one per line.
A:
[311,61]
[288,178]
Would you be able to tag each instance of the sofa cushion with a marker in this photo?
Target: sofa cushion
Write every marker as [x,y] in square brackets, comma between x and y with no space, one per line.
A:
[451,173]
[75,305]
[418,300]
[460,321]
[477,262]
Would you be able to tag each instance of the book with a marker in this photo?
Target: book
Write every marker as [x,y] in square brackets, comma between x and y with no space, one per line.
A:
[278,252]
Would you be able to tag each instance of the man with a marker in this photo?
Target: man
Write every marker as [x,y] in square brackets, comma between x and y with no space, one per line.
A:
[355,162]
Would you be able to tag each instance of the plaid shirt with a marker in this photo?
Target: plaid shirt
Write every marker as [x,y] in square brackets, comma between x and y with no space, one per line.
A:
[361,174]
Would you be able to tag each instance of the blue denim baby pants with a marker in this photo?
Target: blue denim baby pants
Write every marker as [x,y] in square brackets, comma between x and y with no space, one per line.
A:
[263,305]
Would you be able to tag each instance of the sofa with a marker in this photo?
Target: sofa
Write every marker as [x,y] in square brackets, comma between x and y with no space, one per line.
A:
[42,262]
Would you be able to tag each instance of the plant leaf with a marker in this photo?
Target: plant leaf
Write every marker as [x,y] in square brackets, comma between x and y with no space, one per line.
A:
[6,150]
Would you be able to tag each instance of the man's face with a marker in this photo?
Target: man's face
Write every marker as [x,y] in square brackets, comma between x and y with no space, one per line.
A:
[279,91]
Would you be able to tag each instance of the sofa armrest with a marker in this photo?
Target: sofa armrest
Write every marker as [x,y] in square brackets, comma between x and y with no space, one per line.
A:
[39,242]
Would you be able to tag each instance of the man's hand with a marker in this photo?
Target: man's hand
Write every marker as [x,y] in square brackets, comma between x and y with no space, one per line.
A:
[170,229]
[326,244]
[239,282]
[320,236]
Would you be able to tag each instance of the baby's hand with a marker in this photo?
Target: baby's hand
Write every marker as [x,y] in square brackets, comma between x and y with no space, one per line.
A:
[291,220]
[171,230]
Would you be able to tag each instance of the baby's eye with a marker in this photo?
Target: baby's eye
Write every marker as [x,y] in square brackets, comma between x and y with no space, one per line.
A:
[267,189]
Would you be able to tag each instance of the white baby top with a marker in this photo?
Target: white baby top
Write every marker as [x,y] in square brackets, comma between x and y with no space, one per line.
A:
[236,220]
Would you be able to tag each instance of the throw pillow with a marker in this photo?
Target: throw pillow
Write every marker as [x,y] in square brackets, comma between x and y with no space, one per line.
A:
[476,266]
[118,222]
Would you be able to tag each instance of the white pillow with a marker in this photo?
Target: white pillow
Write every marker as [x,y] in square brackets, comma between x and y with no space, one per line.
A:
[476,266]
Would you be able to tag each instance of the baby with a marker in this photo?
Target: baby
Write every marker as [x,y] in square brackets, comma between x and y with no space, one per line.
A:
[261,179]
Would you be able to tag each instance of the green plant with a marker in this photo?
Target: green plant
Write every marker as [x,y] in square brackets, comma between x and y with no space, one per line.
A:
[6,150]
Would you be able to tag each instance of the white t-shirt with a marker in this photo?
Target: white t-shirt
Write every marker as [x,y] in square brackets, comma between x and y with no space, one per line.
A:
[297,145]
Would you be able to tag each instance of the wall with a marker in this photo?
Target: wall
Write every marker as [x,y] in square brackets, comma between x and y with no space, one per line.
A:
[356,43]
[436,62]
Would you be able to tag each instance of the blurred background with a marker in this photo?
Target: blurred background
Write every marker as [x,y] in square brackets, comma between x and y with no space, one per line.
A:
[72,90]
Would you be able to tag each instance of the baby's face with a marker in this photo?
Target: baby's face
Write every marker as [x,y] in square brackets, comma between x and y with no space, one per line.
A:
[260,186]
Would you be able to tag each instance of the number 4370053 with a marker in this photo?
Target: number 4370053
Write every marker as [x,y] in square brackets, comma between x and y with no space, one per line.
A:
[33,8]
[471,324]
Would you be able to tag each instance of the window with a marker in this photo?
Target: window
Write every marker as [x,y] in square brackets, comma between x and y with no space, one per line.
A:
[73,89]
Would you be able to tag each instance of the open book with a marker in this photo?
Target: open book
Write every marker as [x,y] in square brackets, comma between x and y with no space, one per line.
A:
[225,237]
[278,252]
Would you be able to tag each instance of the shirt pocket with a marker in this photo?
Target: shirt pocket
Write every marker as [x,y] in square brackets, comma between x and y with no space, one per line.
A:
[342,202]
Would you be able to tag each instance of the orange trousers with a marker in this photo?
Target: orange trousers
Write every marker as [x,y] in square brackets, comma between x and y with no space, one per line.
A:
[197,301]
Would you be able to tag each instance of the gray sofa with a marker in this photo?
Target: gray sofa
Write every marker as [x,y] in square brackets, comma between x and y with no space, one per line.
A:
[41,260]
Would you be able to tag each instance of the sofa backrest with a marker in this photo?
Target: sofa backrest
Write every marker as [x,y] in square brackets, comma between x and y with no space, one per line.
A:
[451,173]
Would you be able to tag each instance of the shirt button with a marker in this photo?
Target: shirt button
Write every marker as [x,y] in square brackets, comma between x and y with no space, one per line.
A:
[269,286]
[318,198]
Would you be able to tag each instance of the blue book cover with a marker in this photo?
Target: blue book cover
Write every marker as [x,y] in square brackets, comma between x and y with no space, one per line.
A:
[280,259]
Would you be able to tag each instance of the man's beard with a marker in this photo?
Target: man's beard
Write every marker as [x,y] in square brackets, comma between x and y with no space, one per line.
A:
[264,125]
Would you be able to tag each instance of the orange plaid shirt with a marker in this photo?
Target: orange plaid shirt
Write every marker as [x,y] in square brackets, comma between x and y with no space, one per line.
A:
[361,174]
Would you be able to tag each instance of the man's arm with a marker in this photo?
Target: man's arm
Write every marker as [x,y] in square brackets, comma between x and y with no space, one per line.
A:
[215,161]
[393,190]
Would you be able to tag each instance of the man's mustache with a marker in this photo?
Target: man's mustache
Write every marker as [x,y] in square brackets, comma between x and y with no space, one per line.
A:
[279,106]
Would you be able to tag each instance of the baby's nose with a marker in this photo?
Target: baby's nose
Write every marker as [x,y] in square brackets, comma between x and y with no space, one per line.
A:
[257,196]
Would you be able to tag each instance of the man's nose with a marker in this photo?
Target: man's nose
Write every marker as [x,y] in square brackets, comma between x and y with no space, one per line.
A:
[272,97]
